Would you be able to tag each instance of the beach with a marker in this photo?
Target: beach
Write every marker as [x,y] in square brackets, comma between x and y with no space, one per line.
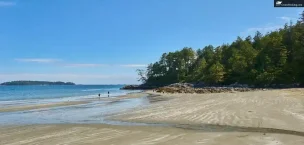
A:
[273,117]
[40,106]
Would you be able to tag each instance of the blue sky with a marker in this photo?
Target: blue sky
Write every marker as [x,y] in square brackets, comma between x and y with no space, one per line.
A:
[105,41]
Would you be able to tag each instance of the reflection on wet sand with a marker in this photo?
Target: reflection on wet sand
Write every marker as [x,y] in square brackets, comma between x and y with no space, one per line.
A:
[265,117]
[91,110]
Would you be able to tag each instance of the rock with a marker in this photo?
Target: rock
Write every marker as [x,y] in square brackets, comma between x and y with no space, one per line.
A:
[199,85]
[139,87]
[182,89]
[181,85]
[239,85]
[130,87]
[192,88]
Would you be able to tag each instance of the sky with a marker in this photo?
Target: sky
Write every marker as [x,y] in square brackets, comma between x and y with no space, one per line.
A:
[105,41]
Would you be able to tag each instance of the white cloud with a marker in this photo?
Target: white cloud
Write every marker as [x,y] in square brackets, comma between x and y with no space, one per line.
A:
[84,65]
[55,61]
[7,3]
[263,29]
[287,19]
[37,60]
[103,65]
[271,27]
[134,65]
[77,78]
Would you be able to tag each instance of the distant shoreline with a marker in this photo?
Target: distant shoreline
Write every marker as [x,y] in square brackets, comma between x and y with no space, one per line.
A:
[40,83]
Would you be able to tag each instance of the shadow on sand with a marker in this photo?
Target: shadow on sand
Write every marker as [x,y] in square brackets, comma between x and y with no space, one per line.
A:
[153,98]
[206,127]
[229,128]
[224,128]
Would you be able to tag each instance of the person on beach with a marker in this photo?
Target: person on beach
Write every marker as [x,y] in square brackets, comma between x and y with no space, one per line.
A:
[108,93]
[99,96]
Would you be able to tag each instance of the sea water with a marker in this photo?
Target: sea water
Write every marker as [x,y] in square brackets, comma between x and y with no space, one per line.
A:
[92,112]
[8,93]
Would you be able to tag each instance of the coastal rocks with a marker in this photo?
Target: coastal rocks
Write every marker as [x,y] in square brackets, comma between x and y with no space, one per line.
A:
[138,87]
[181,85]
[193,88]
[130,87]
[285,85]
[169,89]
[281,86]
[239,85]
[199,85]
[175,90]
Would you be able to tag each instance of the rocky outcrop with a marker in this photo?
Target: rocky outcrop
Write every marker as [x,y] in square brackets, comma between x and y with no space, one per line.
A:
[181,85]
[130,87]
[195,88]
[201,88]
[198,88]
[139,87]
[239,85]
[169,89]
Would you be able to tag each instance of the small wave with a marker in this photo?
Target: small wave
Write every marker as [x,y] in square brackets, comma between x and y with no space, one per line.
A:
[105,89]
[90,90]
[32,101]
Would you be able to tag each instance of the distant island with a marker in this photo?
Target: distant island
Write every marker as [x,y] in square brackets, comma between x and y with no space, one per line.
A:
[23,83]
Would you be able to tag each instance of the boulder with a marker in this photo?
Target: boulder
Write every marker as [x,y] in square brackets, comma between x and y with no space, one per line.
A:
[130,87]
[181,85]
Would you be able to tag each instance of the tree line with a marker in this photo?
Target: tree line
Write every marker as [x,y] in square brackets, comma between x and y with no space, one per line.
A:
[276,57]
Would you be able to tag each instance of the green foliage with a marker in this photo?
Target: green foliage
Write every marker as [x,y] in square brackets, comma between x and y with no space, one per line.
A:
[302,17]
[142,75]
[215,74]
[274,58]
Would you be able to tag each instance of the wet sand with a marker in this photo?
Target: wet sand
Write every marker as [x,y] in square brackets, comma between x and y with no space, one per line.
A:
[68,103]
[273,117]
[41,106]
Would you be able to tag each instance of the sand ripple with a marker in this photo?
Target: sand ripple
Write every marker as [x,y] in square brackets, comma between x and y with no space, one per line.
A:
[274,109]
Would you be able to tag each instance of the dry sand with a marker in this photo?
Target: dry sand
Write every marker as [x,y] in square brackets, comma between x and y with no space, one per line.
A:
[125,135]
[273,117]
[283,109]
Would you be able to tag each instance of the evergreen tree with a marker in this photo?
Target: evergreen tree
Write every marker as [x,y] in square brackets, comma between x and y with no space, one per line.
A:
[274,58]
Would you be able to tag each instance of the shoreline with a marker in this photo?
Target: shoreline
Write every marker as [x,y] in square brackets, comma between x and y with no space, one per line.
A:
[87,111]
[41,106]
[58,103]
[258,117]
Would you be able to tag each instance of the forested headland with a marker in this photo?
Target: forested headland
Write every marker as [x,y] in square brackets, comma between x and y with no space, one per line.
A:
[262,60]
[36,83]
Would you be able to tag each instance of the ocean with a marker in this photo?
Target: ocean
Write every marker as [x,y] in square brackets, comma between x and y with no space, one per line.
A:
[10,93]
[92,112]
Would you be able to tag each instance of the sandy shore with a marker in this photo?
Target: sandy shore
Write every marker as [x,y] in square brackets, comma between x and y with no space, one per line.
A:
[273,117]
[126,135]
[283,109]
